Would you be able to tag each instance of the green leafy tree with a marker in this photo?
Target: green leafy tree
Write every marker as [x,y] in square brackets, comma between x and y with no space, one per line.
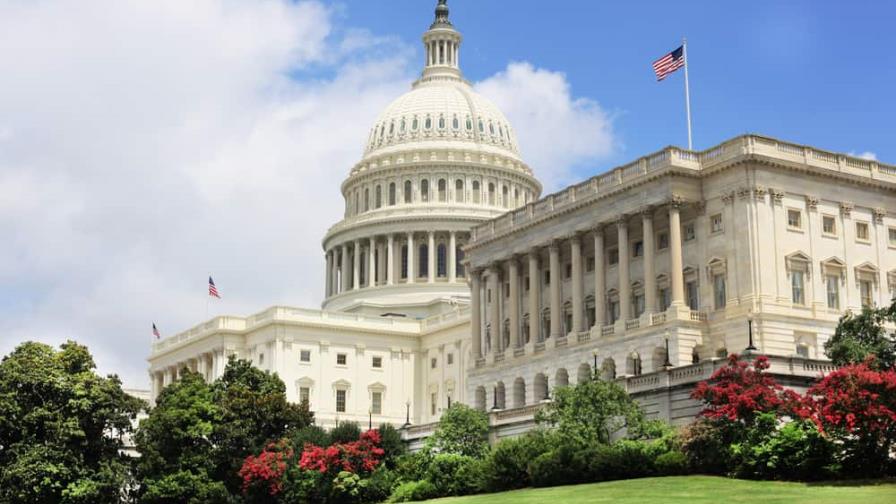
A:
[462,430]
[593,412]
[61,427]
[863,334]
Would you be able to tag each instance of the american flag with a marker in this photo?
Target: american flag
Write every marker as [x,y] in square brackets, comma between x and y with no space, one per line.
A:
[155,331]
[669,63]
[212,290]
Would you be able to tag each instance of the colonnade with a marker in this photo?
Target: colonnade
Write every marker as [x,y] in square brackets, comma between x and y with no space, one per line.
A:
[209,364]
[390,259]
[489,280]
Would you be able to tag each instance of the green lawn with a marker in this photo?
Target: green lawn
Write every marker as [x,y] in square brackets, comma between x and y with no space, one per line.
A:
[695,490]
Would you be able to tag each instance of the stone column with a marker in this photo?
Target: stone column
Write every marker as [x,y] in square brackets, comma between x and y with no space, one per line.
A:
[676,263]
[534,297]
[371,264]
[356,266]
[649,266]
[452,257]
[328,274]
[412,270]
[200,366]
[600,280]
[390,260]
[556,279]
[476,312]
[514,308]
[431,257]
[625,282]
[346,277]
[494,308]
[578,288]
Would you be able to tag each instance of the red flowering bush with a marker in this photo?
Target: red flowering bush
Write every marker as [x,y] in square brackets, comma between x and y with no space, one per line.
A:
[856,405]
[740,390]
[264,473]
[361,456]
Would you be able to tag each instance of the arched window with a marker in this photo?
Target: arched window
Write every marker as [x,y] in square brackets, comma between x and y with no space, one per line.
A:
[459,255]
[427,125]
[477,197]
[491,128]
[519,393]
[403,125]
[423,263]
[366,199]
[491,194]
[415,124]
[567,318]
[469,124]
[392,194]
[516,197]
[424,190]
[443,191]
[391,128]
[634,364]
[441,122]
[545,325]
[357,205]
[505,199]
[442,260]
[481,126]
[404,262]
[379,197]
[459,191]
[456,123]
[407,191]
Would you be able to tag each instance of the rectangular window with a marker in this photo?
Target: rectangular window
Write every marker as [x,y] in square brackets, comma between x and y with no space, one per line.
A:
[665,299]
[261,359]
[662,241]
[719,295]
[547,277]
[892,237]
[833,288]
[689,232]
[433,402]
[589,264]
[794,219]
[637,305]
[613,311]
[613,256]
[377,362]
[340,401]
[568,271]
[638,249]
[829,225]
[867,294]
[304,395]
[376,403]
[693,295]
[341,359]
[797,287]
[507,290]
[802,350]
[715,223]
[450,358]
[862,231]
[304,355]
[433,362]
[526,284]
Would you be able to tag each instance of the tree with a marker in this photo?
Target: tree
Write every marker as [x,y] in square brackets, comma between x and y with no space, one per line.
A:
[61,427]
[856,406]
[462,430]
[860,335]
[592,412]
[254,412]
[740,390]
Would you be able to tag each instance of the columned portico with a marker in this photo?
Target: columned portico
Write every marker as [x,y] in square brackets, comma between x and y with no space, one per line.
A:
[649,266]
[534,298]
[578,291]
[514,311]
[494,308]
[600,279]
[625,294]
[676,264]
[556,279]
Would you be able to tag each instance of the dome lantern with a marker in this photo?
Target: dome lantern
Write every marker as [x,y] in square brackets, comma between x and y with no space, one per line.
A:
[442,47]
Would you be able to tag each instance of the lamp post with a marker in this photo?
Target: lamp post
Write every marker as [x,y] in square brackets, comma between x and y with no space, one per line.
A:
[751,347]
[369,418]
[667,364]
[449,402]
[495,397]
[407,422]
[594,355]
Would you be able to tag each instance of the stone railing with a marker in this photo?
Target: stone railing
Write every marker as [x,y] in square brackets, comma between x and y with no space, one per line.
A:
[680,159]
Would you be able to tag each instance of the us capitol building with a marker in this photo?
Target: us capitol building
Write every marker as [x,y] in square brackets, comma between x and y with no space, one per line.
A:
[451,279]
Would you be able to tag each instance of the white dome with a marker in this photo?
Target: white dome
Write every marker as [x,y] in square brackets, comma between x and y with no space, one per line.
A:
[442,114]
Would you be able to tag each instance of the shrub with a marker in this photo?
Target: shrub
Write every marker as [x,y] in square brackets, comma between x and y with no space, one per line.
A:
[391,443]
[623,460]
[412,466]
[345,432]
[673,463]
[311,434]
[451,474]
[462,430]
[706,445]
[413,491]
[507,464]
[560,466]
[380,485]
[795,450]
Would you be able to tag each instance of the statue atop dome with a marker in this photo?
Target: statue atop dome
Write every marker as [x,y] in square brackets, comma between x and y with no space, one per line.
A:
[441,15]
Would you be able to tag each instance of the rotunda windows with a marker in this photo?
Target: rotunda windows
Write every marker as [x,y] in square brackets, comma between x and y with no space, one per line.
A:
[469,124]
[459,191]
[403,125]
[477,194]
[415,124]
[491,128]
[392,194]
[443,191]
[481,126]
[441,122]
[408,192]
[424,190]
[456,124]
[427,125]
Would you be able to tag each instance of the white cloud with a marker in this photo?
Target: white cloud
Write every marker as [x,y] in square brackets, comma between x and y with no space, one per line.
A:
[147,144]
[870,156]
[557,132]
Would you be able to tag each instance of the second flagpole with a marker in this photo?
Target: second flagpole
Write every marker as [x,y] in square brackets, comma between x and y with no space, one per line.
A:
[687,91]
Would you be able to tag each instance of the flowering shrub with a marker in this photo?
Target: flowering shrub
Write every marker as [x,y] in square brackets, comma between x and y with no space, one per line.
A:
[264,473]
[856,405]
[740,390]
[361,456]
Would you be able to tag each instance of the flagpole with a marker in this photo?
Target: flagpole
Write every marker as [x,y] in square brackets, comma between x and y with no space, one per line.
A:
[687,92]
[207,296]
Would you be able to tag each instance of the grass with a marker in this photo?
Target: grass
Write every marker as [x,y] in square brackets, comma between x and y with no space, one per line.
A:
[695,490]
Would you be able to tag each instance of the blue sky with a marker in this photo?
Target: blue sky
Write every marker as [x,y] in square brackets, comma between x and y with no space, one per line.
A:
[819,72]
